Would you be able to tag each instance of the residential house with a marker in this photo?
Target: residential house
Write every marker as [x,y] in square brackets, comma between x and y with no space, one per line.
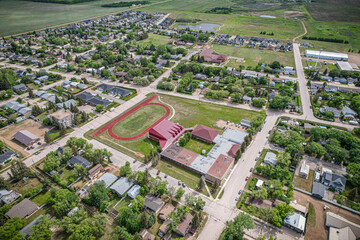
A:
[6,157]
[95,171]
[304,170]
[338,222]
[25,231]
[121,186]
[145,235]
[295,222]
[270,158]
[117,91]
[7,197]
[134,191]
[23,209]
[79,160]
[99,101]
[19,88]
[318,190]
[184,226]
[349,113]
[165,211]
[108,179]
[334,111]
[335,181]
[153,204]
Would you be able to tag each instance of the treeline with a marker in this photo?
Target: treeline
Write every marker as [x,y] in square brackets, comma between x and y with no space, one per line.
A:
[220,10]
[62,1]
[187,20]
[125,4]
[335,40]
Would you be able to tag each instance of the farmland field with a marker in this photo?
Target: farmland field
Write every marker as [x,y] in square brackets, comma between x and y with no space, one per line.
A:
[18,16]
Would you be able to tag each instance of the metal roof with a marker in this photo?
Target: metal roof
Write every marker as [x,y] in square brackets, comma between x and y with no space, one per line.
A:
[121,186]
[108,178]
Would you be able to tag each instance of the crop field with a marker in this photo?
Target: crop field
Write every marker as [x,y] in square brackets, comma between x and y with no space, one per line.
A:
[253,56]
[189,5]
[18,16]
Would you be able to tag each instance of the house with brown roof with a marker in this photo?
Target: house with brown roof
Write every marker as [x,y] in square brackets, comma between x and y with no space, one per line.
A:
[184,226]
[165,211]
[145,235]
[95,171]
[258,202]
[204,133]
[25,137]
[23,209]
[62,117]
[220,169]
[210,55]
[164,228]
[233,150]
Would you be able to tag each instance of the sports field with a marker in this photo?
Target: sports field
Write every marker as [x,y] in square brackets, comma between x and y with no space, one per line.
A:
[187,113]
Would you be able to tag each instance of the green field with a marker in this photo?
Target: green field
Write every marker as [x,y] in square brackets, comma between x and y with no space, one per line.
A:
[197,146]
[140,120]
[187,113]
[18,16]
[155,39]
[253,56]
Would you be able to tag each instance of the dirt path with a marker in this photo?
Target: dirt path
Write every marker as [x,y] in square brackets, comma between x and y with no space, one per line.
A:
[301,34]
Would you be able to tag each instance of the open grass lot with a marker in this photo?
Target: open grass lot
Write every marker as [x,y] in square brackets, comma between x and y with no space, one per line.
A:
[197,146]
[140,120]
[305,184]
[155,39]
[251,25]
[191,179]
[18,16]
[334,11]
[43,211]
[253,56]
[190,112]
[24,187]
[123,203]
[41,198]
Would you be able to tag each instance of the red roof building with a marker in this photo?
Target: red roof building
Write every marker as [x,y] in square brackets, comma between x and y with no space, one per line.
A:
[220,169]
[204,133]
[165,132]
[210,56]
[233,150]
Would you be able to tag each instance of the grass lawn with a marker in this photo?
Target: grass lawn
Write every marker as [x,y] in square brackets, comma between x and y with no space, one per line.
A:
[123,203]
[253,56]
[197,146]
[190,112]
[41,198]
[54,134]
[155,39]
[329,66]
[311,217]
[43,211]
[305,184]
[140,120]
[191,179]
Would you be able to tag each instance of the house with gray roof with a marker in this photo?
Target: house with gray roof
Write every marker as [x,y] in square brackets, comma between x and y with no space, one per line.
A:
[121,186]
[349,113]
[25,137]
[295,222]
[270,158]
[67,104]
[334,111]
[134,191]
[82,86]
[25,232]
[79,160]
[153,204]
[338,222]
[7,156]
[7,197]
[318,190]
[86,96]
[117,91]
[19,88]
[23,209]
[99,101]
[108,178]
[26,111]
[335,181]
[246,123]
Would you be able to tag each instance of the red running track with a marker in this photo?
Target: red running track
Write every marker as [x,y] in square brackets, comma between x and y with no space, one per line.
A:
[147,102]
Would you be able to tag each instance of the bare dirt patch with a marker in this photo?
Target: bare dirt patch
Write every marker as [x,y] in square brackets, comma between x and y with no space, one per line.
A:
[354,58]
[32,126]
[220,123]
[319,231]
[294,14]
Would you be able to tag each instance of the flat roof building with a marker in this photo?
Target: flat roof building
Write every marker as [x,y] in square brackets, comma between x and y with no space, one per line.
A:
[344,66]
[326,55]
[338,222]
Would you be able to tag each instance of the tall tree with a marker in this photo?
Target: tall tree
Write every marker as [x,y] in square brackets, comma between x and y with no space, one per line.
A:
[235,228]
[41,230]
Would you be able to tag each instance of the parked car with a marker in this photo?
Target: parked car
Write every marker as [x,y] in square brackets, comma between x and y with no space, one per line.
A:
[247,178]
[134,161]
[257,158]
[38,152]
[107,170]
[237,198]
[183,184]
[165,176]
[240,192]
[179,183]
[158,172]
[251,169]
[39,143]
